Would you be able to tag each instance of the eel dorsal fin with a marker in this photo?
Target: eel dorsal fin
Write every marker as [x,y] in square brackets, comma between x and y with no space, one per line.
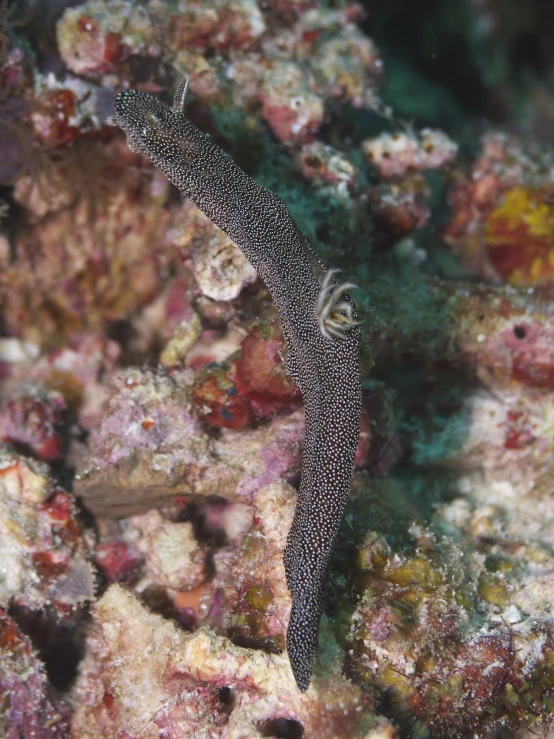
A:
[180,95]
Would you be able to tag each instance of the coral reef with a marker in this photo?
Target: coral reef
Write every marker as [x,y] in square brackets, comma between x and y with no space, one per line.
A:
[98,285]
[256,602]
[221,271]
[150,438]
[397,154]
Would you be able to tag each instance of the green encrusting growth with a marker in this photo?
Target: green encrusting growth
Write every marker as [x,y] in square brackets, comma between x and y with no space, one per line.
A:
[320,331]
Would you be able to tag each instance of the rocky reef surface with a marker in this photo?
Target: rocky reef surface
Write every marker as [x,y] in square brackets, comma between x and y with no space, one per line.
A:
[150,438]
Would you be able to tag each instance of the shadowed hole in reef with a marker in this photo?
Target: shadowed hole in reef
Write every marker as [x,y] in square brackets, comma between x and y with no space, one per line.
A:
[60,645]
[226,698]
[282,728]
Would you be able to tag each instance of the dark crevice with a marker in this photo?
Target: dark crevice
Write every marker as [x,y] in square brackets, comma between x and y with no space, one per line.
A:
[227,699]
[520,332]
[60,644]
[282,728]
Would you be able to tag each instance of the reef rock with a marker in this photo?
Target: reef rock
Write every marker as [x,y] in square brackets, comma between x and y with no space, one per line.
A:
[142,675]
[43,552]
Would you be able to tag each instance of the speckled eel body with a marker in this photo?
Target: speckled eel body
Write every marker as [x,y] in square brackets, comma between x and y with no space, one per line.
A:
[320,331]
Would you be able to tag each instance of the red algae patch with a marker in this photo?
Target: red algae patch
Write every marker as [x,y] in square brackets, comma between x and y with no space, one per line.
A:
[249,388]
[519,236]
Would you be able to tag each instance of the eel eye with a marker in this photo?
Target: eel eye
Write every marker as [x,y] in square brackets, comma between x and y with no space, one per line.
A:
[152,120]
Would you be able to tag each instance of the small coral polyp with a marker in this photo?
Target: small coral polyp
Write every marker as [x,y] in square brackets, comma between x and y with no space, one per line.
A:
[520,236]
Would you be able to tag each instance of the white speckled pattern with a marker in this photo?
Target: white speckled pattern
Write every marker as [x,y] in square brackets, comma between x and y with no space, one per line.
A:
[326,368]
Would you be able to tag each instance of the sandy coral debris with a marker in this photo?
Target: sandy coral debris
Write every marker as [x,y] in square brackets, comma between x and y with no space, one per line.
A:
[172,556]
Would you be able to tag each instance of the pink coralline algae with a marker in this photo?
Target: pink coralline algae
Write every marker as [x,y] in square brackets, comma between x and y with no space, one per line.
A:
[324,165]
[148,438]
[222,27]
[323,55]
[399,154]
[110,268]
[258,373]
[289,106]
[401,200]
[116,560]
[97,39]
[509,340]
[63,112]
[267,68]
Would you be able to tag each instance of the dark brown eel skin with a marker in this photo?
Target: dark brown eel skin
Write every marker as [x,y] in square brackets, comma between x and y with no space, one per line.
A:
[319,325]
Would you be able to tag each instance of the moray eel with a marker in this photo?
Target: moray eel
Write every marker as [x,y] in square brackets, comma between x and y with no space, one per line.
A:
[319,326]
